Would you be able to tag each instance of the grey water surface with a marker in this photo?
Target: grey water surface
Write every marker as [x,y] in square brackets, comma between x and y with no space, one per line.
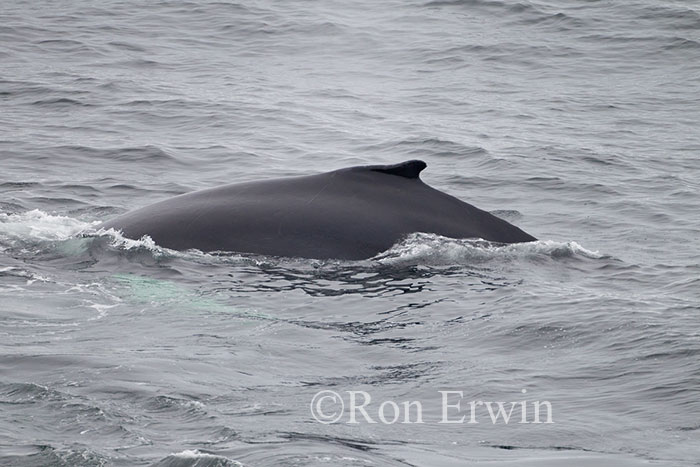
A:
[575,120]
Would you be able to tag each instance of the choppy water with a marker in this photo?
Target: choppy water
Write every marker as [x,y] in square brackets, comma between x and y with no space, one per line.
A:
[577,121]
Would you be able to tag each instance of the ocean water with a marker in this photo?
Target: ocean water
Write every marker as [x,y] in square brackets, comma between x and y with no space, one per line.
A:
[575,120]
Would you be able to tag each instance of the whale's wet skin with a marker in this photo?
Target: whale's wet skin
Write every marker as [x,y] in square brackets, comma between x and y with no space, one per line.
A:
[352,213]
[574,121]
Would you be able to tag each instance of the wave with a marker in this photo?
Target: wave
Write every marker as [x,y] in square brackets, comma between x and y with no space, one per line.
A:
[434,249]
[191,457]
[60,101]
[425,147]
[147,154]
[520,12]
[24,393]
[38,226]
[41,455]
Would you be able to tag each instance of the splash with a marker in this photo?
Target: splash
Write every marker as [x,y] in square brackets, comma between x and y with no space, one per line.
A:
[38,225]
[433,249]
[120,241]
[198,457]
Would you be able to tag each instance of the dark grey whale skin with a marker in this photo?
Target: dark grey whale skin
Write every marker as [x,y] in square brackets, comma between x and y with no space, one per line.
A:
[353,213]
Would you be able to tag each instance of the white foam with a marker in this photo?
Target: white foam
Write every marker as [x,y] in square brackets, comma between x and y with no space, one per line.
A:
[431,249]
[29,276]
[192,454]
[40,226]
[101,310]
[120,241]
[197,454]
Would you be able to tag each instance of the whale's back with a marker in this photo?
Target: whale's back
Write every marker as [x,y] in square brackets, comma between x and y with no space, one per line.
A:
[351,213]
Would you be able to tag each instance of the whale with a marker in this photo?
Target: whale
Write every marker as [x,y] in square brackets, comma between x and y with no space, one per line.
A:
[351,213]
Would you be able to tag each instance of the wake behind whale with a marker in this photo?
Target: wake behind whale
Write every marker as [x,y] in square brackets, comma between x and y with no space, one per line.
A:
[352,213]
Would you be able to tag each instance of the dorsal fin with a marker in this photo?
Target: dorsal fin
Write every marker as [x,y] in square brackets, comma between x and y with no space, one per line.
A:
[408,169]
